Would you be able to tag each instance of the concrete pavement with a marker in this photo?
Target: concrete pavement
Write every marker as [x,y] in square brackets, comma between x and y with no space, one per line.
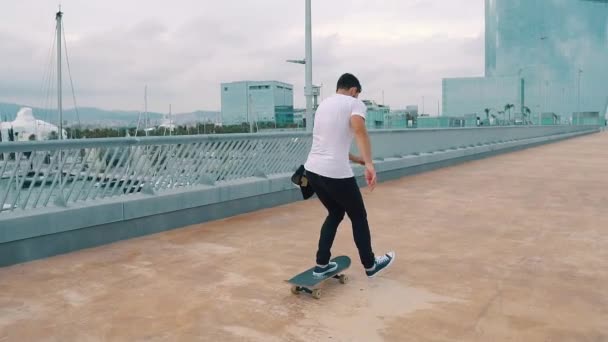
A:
[511,248]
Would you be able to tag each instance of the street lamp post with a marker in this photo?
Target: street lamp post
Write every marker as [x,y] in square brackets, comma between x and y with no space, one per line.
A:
[578,105]
[307,61]
[545,44]
[309,90]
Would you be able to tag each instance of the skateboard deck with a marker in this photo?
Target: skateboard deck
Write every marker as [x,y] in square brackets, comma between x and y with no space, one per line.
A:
[306,282]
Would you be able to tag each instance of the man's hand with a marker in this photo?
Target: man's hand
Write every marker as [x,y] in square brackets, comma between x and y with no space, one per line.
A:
[370,176]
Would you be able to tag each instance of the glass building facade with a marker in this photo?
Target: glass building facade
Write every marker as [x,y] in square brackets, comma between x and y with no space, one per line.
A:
[376,114]
[265,101]
[473,95]
[559,48]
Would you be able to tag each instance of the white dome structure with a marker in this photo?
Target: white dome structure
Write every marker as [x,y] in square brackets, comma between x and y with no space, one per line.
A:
[167,123]
[27,127]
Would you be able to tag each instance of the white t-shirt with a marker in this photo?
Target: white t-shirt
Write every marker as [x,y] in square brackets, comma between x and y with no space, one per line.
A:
[332,136]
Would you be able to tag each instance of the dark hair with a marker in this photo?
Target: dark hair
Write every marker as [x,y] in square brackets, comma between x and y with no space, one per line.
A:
[348,81]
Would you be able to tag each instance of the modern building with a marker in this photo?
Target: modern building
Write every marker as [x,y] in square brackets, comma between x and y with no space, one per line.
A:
[547,56]
[402,118]
[412,110]
[257,101]
[299,115]
[376,114]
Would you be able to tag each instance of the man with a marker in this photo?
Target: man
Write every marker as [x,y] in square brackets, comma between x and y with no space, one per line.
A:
[337,120]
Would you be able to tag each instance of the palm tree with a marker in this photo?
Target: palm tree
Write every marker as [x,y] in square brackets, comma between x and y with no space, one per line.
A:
[508,107]
[487,111]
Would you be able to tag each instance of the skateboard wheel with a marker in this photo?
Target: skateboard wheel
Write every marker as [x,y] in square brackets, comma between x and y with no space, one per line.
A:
[344,279]
[295,290]
[316,293]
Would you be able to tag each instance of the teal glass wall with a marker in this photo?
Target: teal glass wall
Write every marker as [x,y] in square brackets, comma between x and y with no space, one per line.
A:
[559,47]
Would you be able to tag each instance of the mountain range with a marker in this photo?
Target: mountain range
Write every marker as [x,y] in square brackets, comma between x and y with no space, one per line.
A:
[95,117]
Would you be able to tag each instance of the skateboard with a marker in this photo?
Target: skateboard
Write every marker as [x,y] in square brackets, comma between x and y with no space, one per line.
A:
[306,282]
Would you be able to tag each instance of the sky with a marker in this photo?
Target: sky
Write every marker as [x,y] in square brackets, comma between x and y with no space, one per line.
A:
[183,49]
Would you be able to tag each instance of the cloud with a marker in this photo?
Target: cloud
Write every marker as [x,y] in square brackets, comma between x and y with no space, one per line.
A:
[184,52]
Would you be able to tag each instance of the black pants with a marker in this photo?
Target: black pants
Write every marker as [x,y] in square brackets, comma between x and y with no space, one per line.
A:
[340,196]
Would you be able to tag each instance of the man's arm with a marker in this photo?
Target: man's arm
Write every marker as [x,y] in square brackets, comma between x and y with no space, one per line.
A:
[356,159]
[358,124]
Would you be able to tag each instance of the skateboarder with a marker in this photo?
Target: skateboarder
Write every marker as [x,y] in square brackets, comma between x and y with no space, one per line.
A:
[337,120]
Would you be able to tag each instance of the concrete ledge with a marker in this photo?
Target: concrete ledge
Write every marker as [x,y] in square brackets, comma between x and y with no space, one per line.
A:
[47,245]
[52,231]
[145,205]
[18,226]
[23,225]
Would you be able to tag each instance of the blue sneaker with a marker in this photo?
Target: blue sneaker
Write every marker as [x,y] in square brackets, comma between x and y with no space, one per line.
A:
[320,271]
[382,262]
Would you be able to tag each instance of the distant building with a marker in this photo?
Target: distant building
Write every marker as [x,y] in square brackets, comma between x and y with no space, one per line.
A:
[545,56]
[412,110]
[167,123]
[252,101]
[298,116]
[376,114]
[402,118]
[26,127]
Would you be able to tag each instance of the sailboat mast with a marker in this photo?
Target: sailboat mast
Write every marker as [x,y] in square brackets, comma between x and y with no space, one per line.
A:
[146,118]
[58,17]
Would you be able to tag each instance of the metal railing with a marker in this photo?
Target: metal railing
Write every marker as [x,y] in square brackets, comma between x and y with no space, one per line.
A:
[36,174]
[39,174]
